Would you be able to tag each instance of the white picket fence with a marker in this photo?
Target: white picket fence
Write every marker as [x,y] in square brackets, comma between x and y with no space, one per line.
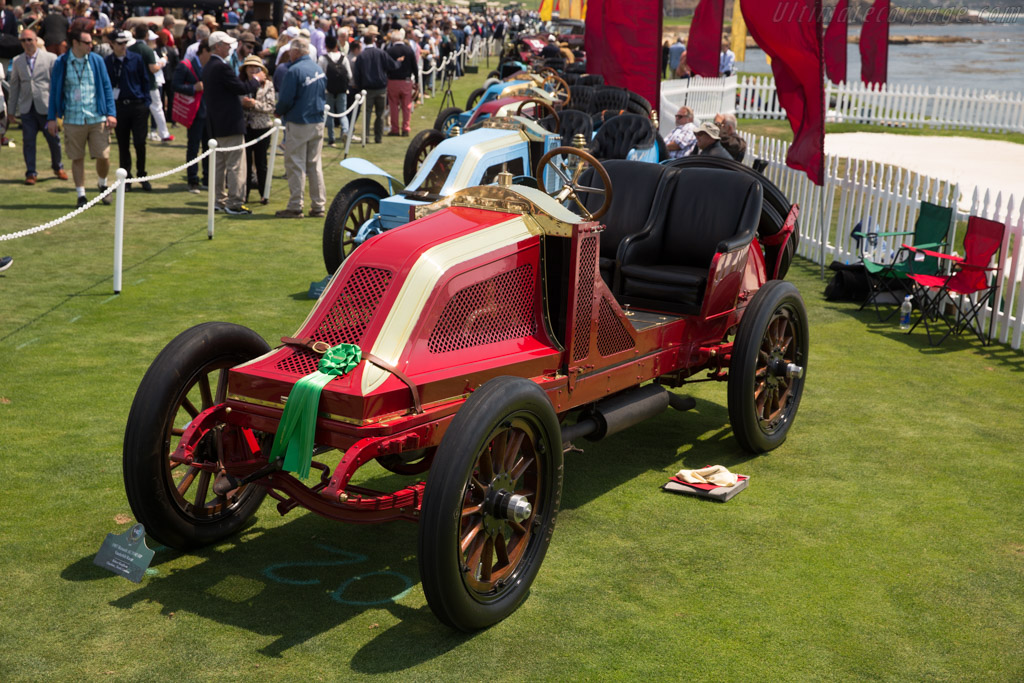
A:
[705,96]
[885,198]
[893,104]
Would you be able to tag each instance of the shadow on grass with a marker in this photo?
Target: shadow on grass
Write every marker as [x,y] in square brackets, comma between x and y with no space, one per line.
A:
[298,581]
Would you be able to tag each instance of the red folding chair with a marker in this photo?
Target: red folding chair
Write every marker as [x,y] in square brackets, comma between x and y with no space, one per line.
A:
[968,284]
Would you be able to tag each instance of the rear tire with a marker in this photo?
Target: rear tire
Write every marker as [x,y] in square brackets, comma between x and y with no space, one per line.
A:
[476,564]
[420,147]
[763,401]
[354,204]
[177,386]
[474,98]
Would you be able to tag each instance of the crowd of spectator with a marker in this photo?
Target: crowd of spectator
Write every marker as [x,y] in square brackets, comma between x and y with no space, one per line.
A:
[99,72]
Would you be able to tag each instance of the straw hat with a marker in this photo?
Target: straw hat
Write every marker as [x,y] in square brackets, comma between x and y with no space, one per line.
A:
[253,60]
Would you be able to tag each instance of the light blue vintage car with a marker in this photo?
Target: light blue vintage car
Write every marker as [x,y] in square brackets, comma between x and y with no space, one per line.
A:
[365,207]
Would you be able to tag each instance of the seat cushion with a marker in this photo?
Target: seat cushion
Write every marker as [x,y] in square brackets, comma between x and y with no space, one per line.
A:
[620,134]
[678,284]
[634,184]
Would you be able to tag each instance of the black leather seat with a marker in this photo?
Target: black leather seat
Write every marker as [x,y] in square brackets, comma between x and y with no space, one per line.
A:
[581,98]
[570,123]
[610,97]
[705,211]
[620,134]
[634,191]
[591,79]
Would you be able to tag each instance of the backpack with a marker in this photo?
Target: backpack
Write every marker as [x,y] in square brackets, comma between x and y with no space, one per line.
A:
[850,283]
[337,76]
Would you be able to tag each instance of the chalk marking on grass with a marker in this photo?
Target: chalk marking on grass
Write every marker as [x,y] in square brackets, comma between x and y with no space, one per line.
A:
[109,298]
[30,341]
[74,319]
[140,281]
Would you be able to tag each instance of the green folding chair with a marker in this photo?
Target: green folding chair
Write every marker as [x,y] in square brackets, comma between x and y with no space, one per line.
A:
[888,280]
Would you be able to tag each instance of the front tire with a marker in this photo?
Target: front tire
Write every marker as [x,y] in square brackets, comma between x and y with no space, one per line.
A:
[171,499]
[477,562]
[447,119]
[771,345]
[354,204]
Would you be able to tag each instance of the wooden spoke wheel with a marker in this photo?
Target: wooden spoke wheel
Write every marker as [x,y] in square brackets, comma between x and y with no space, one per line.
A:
[356,203]
[767,371]
[544,108]
[177,502]
[490,504]
[561,162]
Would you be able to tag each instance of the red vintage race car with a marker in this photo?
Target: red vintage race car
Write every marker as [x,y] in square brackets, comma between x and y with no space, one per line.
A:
[473,345]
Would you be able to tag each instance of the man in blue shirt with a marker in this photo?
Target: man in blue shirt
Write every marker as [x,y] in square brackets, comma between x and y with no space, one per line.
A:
[301,105]
[675,51]
[80,92]
[129,78]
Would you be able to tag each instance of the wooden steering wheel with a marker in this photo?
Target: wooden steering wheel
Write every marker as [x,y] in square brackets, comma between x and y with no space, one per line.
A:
[547,109]
[569,171]
[558,88]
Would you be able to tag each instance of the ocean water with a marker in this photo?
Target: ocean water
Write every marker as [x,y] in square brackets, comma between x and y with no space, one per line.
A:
[995,63]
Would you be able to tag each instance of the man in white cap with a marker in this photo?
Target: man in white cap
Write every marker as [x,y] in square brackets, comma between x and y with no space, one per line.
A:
[708,145]
[222,90]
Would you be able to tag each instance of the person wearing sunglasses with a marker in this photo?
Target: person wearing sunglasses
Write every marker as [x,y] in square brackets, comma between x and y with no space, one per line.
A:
[682,139]
[30,99]
[81,93]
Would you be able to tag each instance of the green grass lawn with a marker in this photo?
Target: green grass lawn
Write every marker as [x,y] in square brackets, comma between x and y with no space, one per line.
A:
[883,540]
[780,128]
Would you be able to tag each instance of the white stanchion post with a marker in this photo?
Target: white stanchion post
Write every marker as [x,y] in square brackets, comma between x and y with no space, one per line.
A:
[119,228]
[366,115]
[212,191]
[273,155]
[351,129]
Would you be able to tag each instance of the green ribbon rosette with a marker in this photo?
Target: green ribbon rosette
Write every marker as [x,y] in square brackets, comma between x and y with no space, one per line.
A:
[294,438]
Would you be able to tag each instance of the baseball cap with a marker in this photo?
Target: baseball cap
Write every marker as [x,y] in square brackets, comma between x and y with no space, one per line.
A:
[122,37]
[218,37]
[292,32]
[709,128]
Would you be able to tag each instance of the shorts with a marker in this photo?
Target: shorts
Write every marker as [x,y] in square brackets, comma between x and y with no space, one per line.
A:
[96,134]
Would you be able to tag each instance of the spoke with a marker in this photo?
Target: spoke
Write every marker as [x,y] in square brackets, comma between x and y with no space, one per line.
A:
[472,509]
[204,391]
[486,465]
[561,174]
[222,386]
[471,535]
[189,408]
[512,447]
[187,480]
[501,551]
[474,551]
[477,484]
[201,488]
[486,557]
[520,467]
[586,189]
[517,527]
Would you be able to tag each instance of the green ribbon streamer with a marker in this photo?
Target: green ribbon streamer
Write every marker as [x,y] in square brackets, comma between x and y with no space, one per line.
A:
[294,436]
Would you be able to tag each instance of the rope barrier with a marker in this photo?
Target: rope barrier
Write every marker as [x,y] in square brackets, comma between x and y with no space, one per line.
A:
[58,221]
[355,103]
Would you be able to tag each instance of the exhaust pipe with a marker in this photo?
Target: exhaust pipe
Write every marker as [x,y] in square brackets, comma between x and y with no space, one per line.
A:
[618,412]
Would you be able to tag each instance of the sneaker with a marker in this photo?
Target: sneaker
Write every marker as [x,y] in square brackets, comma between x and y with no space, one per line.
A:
[330,143]
[356,138]
[146,186]
[240,210]
[82,201]
[5,263]
[30,179]
[154,136]
[61,174]
[315,213]
[288,213]
[220,208]
[264,201]
[193,188]
[106,200]
[405,133]
[169,138]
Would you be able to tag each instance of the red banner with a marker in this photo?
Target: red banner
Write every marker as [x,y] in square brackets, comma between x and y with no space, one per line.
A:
[874,44]
[835,43]
[789,31]
[623,44]
[704,45]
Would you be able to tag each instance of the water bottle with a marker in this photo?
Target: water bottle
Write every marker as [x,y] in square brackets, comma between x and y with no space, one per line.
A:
[905,310]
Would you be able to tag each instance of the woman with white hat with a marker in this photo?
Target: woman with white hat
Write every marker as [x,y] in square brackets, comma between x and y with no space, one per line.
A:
[259,117]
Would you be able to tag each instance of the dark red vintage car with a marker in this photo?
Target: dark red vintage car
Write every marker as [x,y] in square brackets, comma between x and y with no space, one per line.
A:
[492,331]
